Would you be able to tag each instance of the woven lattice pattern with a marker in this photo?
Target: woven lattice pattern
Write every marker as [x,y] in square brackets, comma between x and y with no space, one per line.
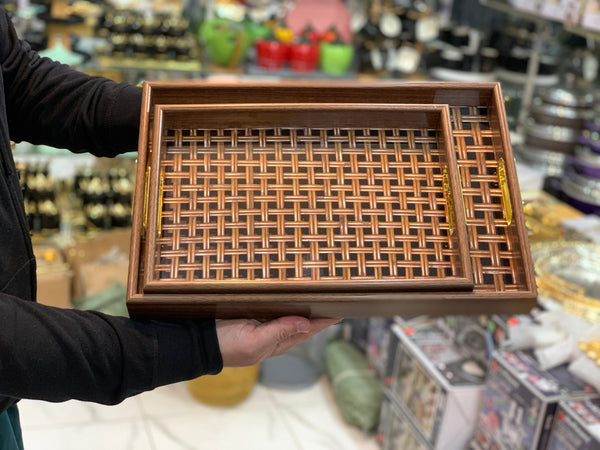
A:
[495,256]
[304,204]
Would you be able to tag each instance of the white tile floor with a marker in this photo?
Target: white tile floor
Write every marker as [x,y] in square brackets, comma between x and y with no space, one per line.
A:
[169,418]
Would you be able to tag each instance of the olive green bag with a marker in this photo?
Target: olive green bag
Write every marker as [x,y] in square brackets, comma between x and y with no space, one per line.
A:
[358,392]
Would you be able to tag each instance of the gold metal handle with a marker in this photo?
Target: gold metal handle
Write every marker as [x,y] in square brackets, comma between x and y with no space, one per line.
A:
[508,212]
[448,198]
[160,202]
[146,189]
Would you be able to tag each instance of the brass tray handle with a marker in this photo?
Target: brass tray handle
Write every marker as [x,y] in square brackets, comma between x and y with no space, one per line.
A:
[160,202]
[508,212]
[146,190]
[448,197]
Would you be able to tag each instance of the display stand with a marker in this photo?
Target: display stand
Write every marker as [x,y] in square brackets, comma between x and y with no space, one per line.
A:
[543,30]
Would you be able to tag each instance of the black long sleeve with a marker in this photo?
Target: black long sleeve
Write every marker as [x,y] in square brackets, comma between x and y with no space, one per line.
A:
[48,103]
[56,354]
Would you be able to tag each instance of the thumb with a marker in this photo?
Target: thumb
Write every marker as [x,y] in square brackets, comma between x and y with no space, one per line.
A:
[247,342]
[280,330]
[286,332]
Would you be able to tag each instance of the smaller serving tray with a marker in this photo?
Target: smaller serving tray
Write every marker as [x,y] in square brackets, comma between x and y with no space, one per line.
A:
[303,198]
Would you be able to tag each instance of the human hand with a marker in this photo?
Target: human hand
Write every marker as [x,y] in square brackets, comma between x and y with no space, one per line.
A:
[245,342]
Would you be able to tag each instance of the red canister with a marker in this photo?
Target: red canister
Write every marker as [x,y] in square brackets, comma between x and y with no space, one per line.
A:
[270,54]
[304,57]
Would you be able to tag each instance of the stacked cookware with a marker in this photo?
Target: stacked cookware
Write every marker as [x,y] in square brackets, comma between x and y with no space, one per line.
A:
[580,184]
[562,136]
[558,116]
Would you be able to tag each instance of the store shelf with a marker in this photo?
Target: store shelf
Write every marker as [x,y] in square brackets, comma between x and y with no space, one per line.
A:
[62,164]
[443,74]
[507,8]
[521,78]
[580,31]
[107,62]
[287,73]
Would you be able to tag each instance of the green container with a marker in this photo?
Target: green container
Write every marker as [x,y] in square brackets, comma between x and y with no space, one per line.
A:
[336,59]
[226,41]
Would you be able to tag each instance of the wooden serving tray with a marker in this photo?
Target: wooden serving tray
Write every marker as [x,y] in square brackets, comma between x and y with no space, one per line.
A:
[496,238]
[304,198]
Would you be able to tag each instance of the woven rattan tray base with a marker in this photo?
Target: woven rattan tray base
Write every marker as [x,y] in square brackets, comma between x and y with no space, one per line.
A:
[496,236]
[304,198]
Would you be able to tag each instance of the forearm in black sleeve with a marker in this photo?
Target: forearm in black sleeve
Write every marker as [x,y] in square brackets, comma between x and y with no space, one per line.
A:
[50,103]
[58,354]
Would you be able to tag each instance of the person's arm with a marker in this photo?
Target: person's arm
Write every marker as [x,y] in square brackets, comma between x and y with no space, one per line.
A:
[58,354]
[50,103]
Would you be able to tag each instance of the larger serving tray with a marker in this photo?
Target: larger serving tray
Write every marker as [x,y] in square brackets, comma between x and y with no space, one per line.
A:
[498,252]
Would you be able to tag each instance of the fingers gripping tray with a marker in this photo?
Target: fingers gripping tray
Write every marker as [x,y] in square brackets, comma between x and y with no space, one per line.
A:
[260,209]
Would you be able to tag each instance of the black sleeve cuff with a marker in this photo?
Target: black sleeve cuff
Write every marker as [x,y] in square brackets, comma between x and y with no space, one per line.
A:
[186,350]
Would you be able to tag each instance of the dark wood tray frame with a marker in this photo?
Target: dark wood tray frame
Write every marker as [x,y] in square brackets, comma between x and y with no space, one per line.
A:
[503,272]
[442,259]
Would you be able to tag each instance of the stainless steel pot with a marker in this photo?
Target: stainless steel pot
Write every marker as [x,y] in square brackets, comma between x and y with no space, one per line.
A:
[567,116]
[581,192]
[552,137]
[564,96]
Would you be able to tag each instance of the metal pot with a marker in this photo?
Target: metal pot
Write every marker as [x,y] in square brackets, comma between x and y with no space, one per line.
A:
[586,162]
[581,192]
[591,139]
[552,163]
[565,96]
[552,137]
[567,116]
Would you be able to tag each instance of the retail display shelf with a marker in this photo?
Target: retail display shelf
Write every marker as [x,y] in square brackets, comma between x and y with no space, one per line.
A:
[107,62]
[581,31]
[506,7]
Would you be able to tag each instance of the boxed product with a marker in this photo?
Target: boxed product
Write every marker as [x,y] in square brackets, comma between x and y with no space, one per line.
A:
[395,430]
[437,384]
[576,426]
[566,11]
[480,335]
[53,277]
[520,400]
[357,332]
[54,287]
[532,6]
[470,333]
[378,343]
[99,261]
[483,440]
[591,16]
